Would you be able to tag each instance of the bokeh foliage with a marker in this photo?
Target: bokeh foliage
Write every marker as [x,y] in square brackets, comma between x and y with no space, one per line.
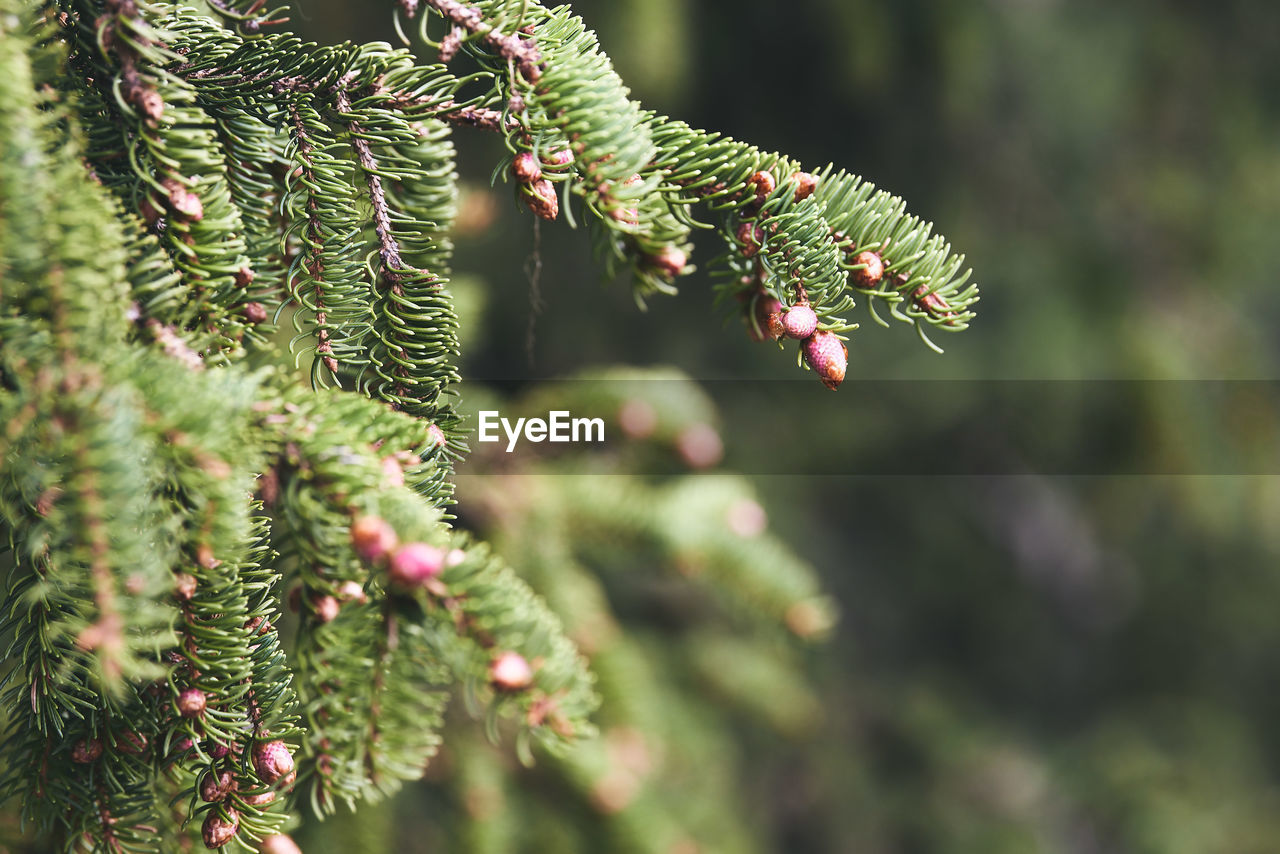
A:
[1040,663]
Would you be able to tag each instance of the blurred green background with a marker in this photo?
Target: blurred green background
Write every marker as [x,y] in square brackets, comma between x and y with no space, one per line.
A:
[1079,660]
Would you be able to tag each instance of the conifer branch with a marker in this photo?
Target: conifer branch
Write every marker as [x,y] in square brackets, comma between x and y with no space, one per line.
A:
[522,52]
[171,497]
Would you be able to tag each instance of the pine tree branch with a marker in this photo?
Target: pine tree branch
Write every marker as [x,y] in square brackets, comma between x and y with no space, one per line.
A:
[392,264]
[522,52]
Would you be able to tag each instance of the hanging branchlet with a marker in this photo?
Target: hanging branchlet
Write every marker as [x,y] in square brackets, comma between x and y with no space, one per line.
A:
[403,586]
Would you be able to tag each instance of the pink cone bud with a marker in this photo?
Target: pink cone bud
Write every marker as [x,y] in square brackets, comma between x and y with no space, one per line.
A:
[218,831]
[563,157]
[700,446]
[325,608]
[192,702]
[828,358]
[148,211]
[746,518]
[86,750]
[415,563]
[510,672]
[637,418]
[352,591]
[872,272]
[184,586]
[392,472]
[763,182]
[526,168]
[274,763]
[183,202]
[215,786]
[751,236]
[132,742]
[626,216]
[259,800]
[768,318]
[670,261]
[799,322]
[279,844]
[372,538]
[805,185]
[540,197]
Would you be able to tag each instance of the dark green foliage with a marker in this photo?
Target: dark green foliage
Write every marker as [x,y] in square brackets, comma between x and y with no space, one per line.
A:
[172,182]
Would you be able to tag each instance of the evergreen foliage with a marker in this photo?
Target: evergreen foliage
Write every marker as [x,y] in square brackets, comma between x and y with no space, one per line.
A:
[173,180]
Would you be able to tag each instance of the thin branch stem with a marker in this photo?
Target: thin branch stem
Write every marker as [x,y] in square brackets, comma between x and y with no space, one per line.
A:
[523,52]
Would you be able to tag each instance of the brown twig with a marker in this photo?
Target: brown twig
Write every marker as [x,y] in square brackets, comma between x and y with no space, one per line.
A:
[389,247]
[523,52]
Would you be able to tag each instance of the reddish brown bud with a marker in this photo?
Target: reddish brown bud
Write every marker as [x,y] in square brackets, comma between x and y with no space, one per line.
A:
[184,586]
[627,216]
[526,168]
[279,844]
[372,538]
[805,183]
[670,261]
[274,763]
[218,750]
[746,518]
[218,830]
[435,437]
[254,312]
[215,785]
[351,591]
[325,608]
[799,322]
[700,445]
[808,618]
[637,418]
[933,303]
[183,202]
[192,703]
[259,800]
[763,182]
[563,157]
[392,472]
[540,197]
[415,563]
[151,105]
[148,211]
[768,318]
[510,672]
[828,358]
[244,277]
[751,236]
[131,742]
[872,269]
[450,43]
[86,750]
